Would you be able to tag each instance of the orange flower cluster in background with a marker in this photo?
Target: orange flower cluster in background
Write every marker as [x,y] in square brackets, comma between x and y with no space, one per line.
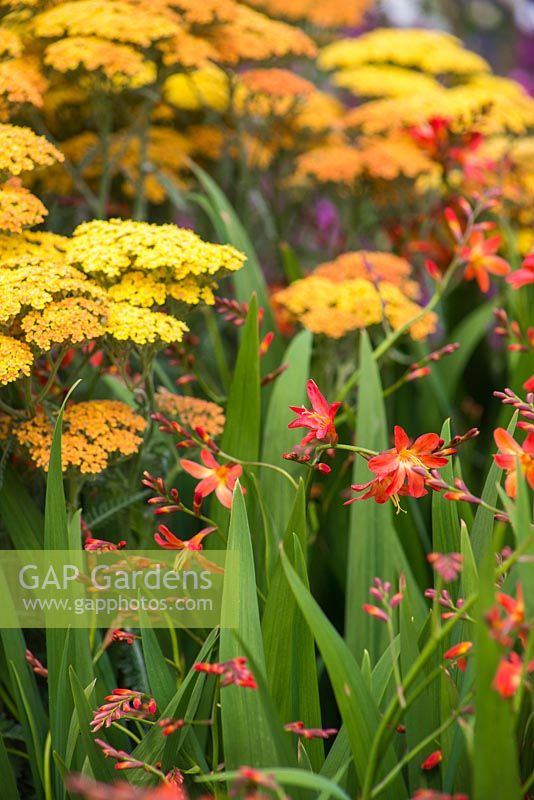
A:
[357,290]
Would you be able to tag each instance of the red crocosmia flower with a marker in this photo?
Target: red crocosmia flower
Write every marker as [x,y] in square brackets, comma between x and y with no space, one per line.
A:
[215,477]
[505,626]
[510,454]
[166,539]
[309,733]
[398,463]
[319,419]
[509,674]
[234,671]
[433,760]
[102,546]
[170,725]
[433,794]
[528,385]
[249,778]
[447,565]
[524,275]
[479,254]
[457,653]
[374,611]
[90,789]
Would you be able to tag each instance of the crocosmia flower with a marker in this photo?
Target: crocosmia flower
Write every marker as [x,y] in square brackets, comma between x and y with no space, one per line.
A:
[479,255]
[309,733]
[166,539]
[319,419]
[510,673]
[215,477]
[524,275]
[398,470]
[511,454]
[233,672]
[433,760]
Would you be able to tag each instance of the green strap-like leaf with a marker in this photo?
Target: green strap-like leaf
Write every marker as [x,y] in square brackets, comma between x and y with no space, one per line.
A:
[248,738]
[356,705]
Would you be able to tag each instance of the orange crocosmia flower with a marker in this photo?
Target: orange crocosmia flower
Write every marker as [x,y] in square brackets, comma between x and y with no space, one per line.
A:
[215,477]
[319,419]
[166,539]
[509,674]
[524,275]
[398,463]
[480,256]
[457,653]
[511,454]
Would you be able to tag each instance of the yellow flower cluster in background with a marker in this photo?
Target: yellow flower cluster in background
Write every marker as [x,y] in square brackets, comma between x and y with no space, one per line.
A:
[96,433]
[357,290]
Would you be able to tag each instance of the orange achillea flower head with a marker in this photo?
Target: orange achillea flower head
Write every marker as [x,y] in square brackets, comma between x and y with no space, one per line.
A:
[326,14]
[96,433]
[166,539]
[19,208]
[233,672]
[319,419]
[510,455]
[74,320]
[479,255]
[524,275]
[252,36]
[191,411]
[276,82]
[510,674]
[215,477]
[397,470]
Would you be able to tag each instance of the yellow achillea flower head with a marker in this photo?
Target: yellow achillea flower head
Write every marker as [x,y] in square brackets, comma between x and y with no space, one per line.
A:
[95,434]
[22,150]
[19,208]
[378,80]
[349,293]
[108,249]
[107,19]
[204,88]
[119,63]
[16,359]
[31,247]
[10,43]
[35,285]
[191,411]
[72,320]
[252,36]
[435,52]
[140,326]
